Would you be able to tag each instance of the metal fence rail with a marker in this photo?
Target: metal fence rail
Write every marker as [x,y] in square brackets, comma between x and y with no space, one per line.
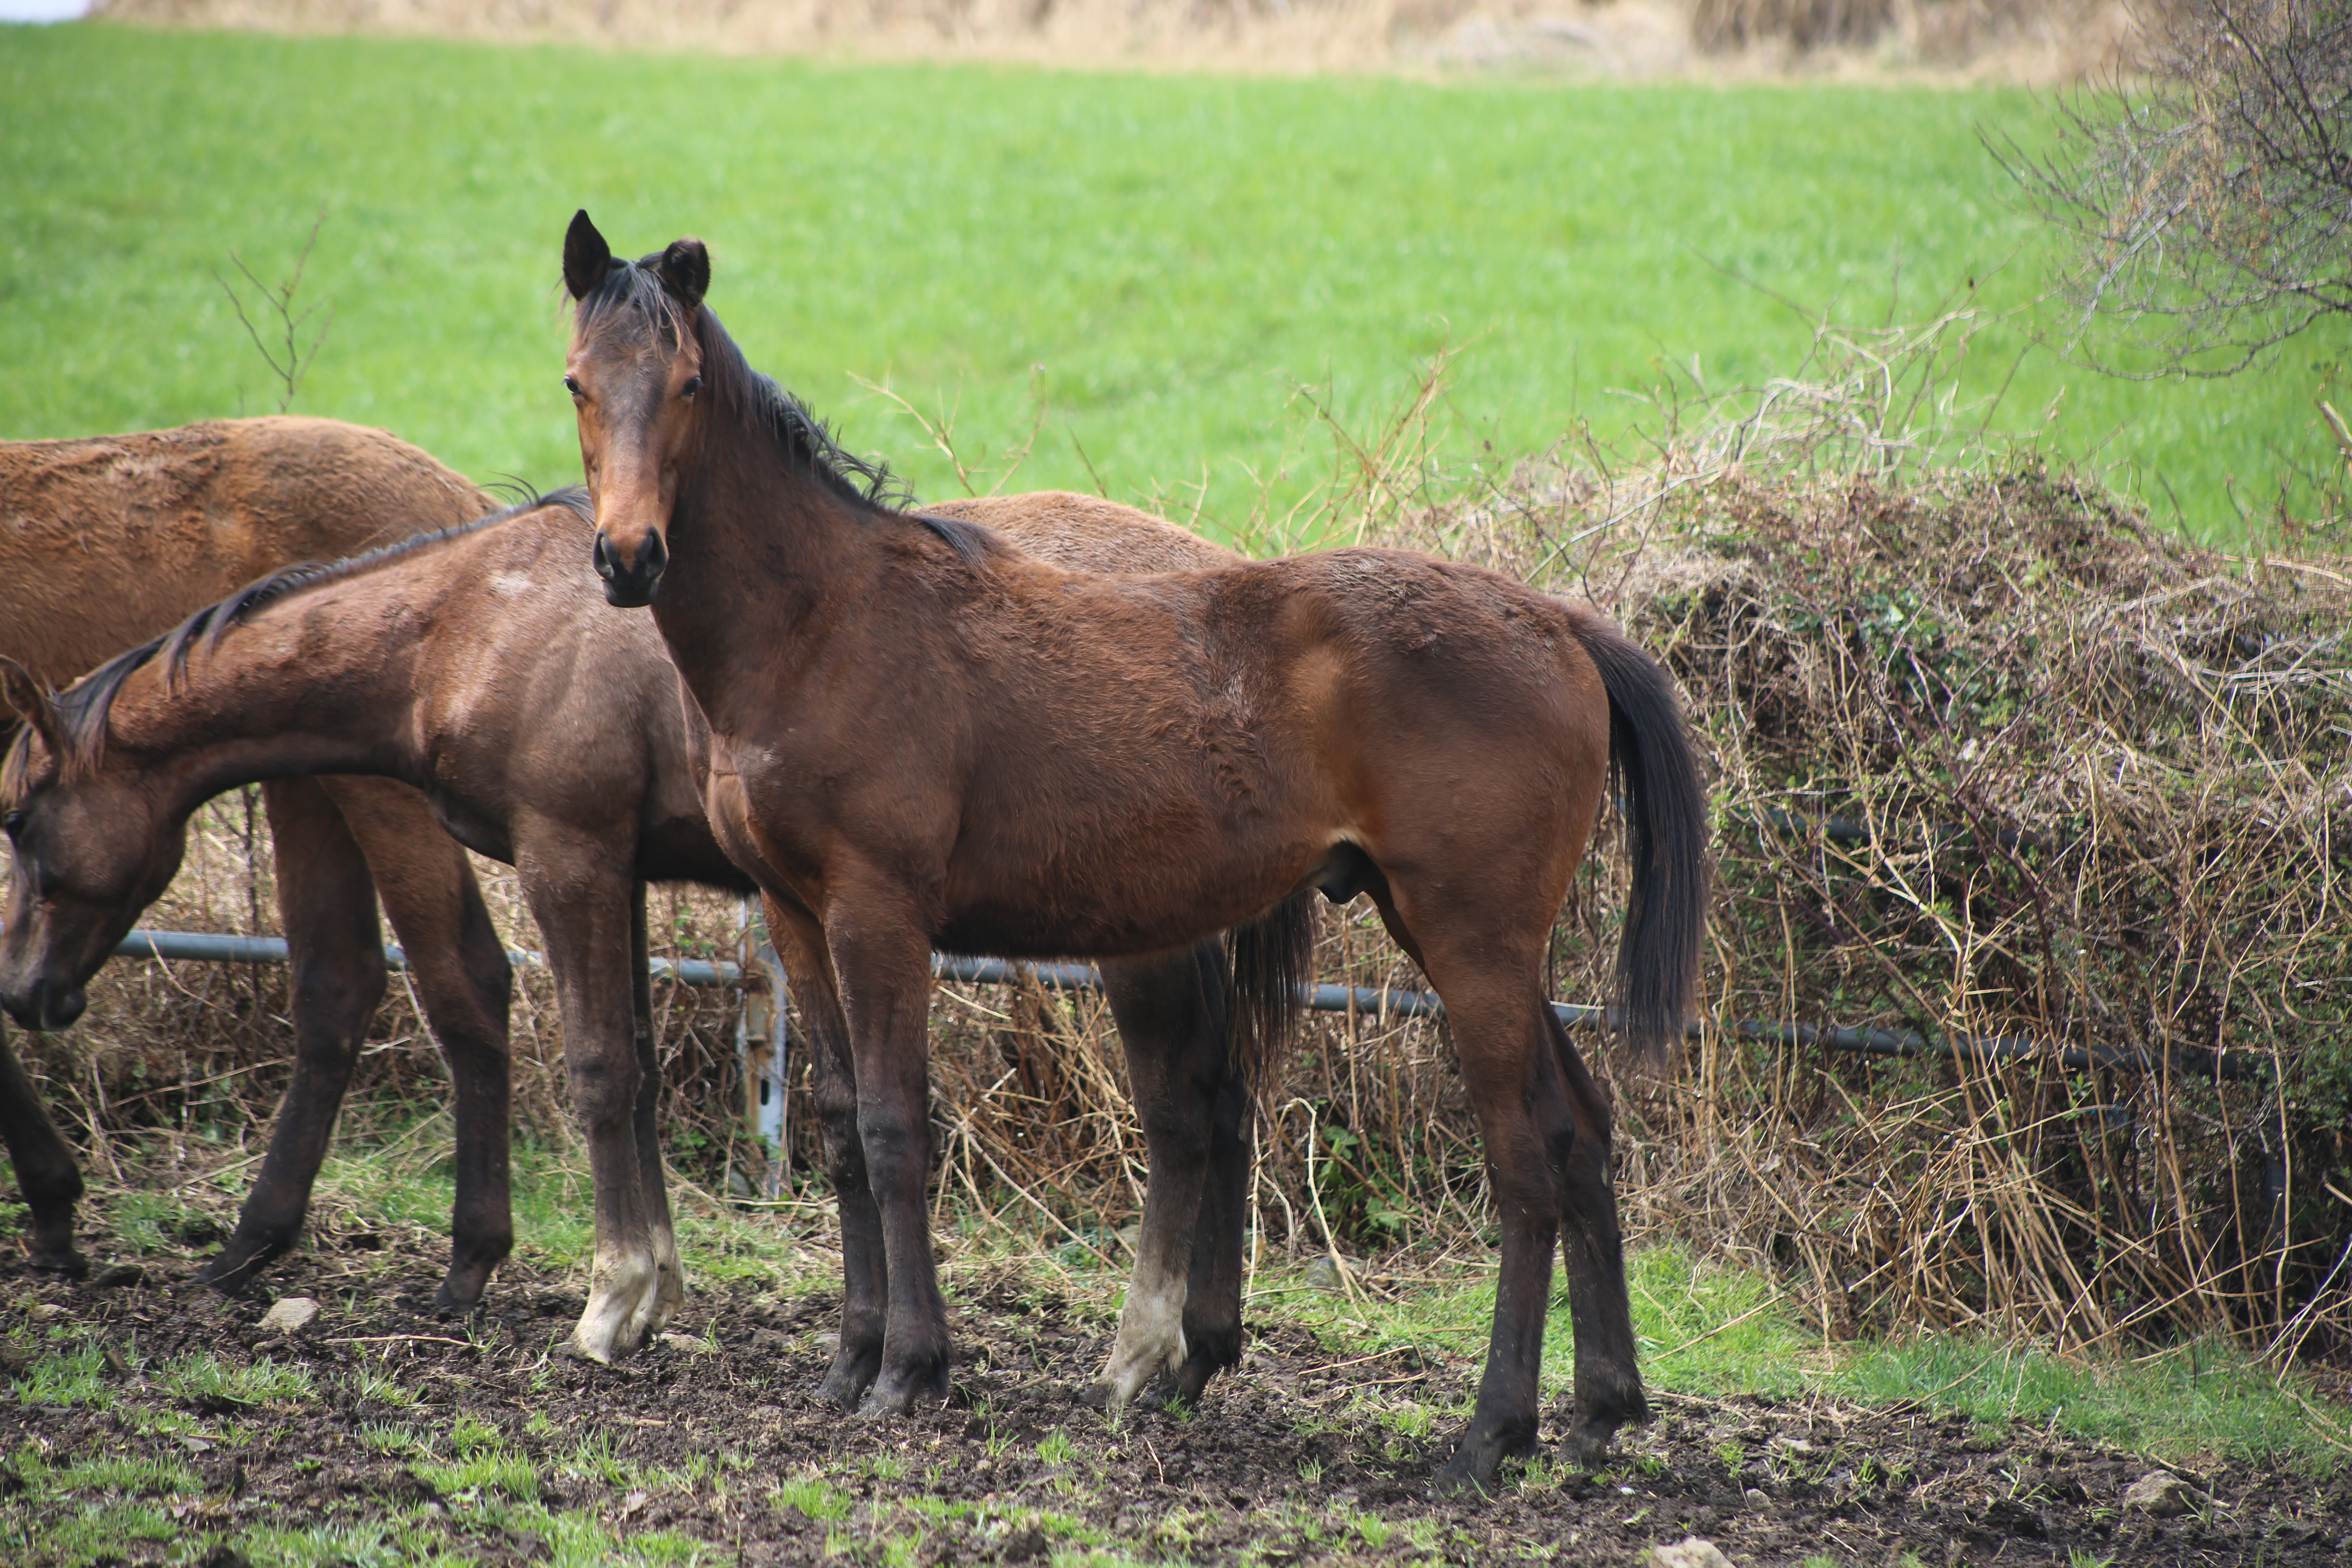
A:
[1366,1000]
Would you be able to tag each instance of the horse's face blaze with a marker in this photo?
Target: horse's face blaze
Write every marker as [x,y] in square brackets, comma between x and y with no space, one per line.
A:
[89,856]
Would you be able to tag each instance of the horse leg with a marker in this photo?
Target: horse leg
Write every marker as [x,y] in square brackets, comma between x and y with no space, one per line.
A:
[326,904]
[464,985]
[1212,1300]
[1173,1019]
[1529,1133]
[47,1172]
[800,945]
[882,963]
[1608,1379]
[669,1292]
[579,889]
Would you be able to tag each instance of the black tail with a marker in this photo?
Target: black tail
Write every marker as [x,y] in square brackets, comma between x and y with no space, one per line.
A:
[1273,964]
[1654,771]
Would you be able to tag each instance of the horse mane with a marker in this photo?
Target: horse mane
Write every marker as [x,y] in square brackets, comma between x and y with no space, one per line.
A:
[82,710]
[756,399]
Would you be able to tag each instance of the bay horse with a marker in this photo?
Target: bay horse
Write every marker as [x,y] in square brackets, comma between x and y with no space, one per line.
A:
[478,666]
[107,541]
[921,737]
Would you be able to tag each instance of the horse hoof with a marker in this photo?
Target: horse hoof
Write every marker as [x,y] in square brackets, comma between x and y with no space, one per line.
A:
[448,1304]
[229,1277]
[68,1263]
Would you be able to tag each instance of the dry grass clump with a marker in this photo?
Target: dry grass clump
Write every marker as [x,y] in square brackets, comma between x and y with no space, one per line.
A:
[2016,780]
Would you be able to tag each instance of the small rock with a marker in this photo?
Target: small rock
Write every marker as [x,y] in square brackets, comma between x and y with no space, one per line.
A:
[1754,1497]
[2160,1495]
[46,1312]
[1323,1274]
[686,1344]
[1023,1547]
[1690,1552]
[121,1274]
[289,1316]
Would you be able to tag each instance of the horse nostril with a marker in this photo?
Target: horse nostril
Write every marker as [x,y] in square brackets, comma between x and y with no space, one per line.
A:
[604,557]
[652,557]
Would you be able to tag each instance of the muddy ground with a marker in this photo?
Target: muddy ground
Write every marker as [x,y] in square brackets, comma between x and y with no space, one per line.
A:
[378,1433]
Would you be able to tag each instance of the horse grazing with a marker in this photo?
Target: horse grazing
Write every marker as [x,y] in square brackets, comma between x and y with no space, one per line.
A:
[108,540]
[922,737]
[478,666]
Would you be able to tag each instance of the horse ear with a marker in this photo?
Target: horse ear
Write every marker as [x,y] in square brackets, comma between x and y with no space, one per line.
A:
[30,698]
[686,271]
[586,257]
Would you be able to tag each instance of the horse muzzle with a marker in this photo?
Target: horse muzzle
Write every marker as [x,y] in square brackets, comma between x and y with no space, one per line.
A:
[47,1007]
[633,586]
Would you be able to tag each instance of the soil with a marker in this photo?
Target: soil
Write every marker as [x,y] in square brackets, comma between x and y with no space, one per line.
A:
[1280,1465]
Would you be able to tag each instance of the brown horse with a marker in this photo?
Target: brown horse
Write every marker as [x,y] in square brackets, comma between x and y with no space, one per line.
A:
[107,541]
[920,737]
[478,666]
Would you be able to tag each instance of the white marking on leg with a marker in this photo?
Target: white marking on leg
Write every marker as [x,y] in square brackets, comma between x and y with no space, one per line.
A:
[621,1287]
[1150,1339]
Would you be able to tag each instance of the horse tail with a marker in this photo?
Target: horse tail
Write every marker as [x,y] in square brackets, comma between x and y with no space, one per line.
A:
[1653,774]
[1272,960]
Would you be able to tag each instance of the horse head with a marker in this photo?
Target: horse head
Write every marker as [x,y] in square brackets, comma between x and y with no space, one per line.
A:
[633,373]
[92,850]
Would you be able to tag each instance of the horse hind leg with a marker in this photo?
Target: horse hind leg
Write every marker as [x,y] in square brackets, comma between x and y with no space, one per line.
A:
[464,985]
[1173,1016]
[669,1287]
[1487,973]
[47,1172]
[326,903]
[1609,1393]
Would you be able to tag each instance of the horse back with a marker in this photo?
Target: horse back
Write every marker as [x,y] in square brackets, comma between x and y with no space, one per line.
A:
[108,540]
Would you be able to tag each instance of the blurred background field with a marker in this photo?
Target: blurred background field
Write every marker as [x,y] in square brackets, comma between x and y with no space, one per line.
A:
[1141,281]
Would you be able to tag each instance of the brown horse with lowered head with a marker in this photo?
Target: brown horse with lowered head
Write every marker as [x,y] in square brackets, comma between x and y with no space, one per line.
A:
[921,737]
[106,542]
[478,666]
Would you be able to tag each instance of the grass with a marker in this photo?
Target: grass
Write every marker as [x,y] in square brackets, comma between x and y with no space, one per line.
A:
[1710,1331]
[1144,271]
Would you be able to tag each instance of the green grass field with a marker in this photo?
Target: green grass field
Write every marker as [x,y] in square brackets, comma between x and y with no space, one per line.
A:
[1164,262]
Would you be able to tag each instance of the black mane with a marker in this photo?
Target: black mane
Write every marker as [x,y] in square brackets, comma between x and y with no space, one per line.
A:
[760,403]
[81,710]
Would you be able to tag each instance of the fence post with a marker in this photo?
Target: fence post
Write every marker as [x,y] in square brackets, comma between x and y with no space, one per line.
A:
[763,1038]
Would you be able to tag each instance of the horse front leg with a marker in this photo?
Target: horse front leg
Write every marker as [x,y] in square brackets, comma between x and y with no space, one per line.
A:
[1173,1020]
[798,942]
[48,1174]
[882,963]
[464,985]
[326,905]
[579,891]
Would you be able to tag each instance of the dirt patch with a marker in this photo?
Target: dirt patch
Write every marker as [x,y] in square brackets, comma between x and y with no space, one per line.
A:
[484,1441]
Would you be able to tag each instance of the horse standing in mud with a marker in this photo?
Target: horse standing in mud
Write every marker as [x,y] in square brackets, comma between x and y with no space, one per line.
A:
[920,737]
[108,540]
[479,666]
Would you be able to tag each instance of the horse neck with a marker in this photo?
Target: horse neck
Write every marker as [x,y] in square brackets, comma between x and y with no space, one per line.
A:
[271,699]
[759,550]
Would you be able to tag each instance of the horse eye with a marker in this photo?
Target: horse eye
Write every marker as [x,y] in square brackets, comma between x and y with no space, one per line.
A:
[693,384]
[571,386]
[13,821]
